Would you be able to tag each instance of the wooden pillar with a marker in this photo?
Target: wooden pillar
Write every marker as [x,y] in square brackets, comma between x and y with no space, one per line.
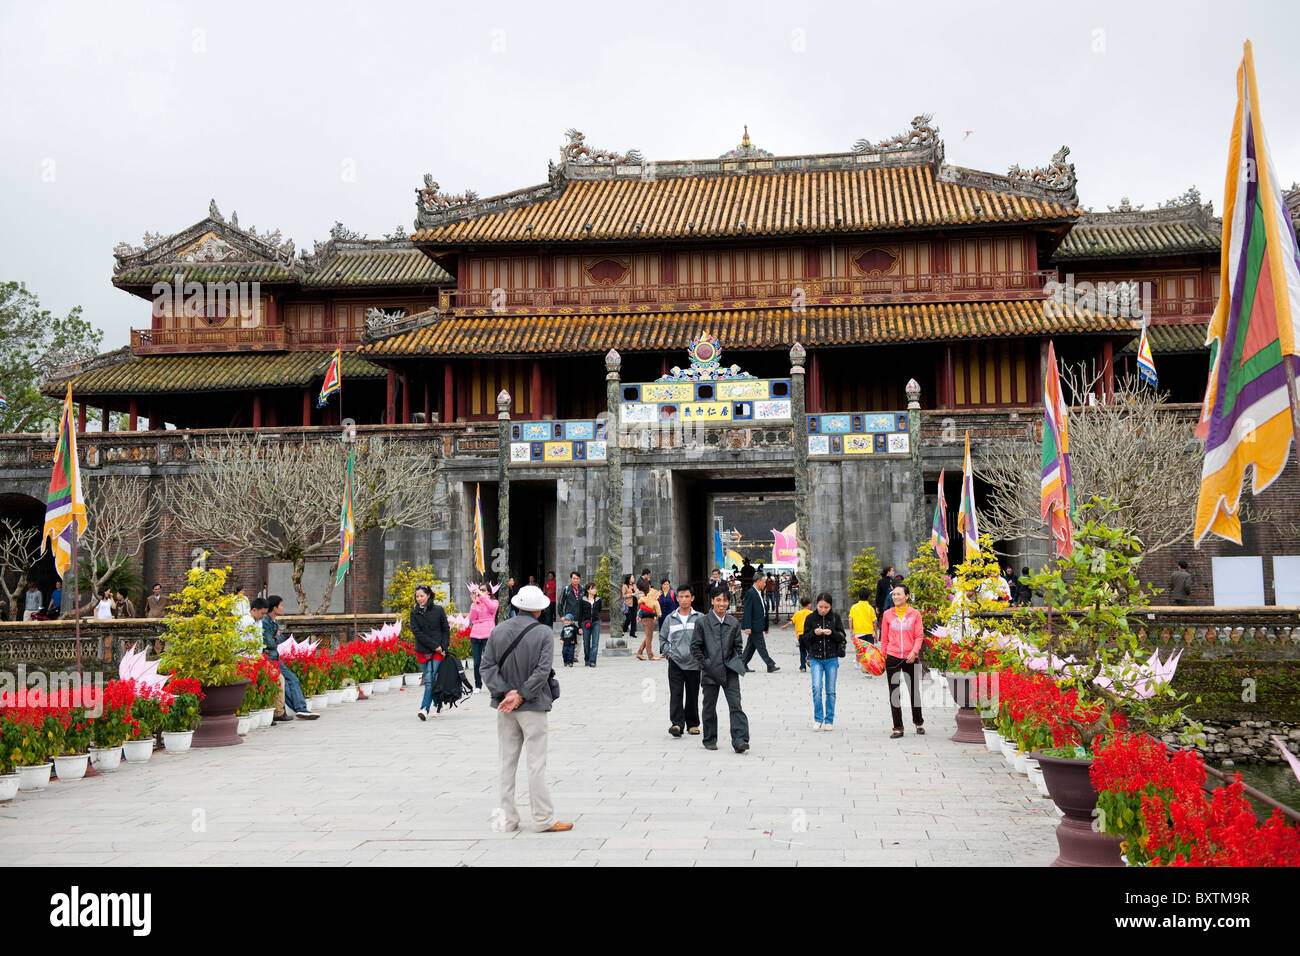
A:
[272,310]
[448,394]
[1108,370]
[814,383]
[390,406]
[306,407]
[81,417]
[428,408]
[104,422]
[406,399]
[134,416]
[949,380]
[257,410]
[535,391]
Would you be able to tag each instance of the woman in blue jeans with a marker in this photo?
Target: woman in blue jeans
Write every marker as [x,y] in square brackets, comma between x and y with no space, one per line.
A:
[432,638]
[823,633]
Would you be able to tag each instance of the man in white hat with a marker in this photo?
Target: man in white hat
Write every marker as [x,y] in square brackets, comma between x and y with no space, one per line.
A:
[517,668]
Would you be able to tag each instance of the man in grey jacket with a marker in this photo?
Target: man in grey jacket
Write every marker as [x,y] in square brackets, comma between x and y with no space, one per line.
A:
[683,670]
[517,664]
[715,644]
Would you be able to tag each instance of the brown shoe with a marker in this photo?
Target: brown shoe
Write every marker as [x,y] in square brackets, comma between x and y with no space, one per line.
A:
[558,828]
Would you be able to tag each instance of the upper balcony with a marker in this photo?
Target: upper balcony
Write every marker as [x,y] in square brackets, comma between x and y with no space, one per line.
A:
[1183,307]
[263,338]
[683,296]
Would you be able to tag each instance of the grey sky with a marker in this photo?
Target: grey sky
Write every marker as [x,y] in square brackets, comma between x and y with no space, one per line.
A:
[121,117]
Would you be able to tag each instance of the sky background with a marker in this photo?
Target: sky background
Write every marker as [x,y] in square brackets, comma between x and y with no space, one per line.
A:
[116,118]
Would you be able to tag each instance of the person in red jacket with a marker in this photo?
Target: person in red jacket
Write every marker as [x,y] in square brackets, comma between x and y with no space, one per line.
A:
[901,636]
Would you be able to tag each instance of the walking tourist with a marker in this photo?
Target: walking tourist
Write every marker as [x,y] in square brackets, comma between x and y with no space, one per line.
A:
[798,620]
[289,685]
[550,596]
[241,602]
[1180,585]
[629,605]
[126,607]
[32,601]
[794,590]
[667,599]
[647,614]
[432,639]
[675,635]
[510,592]
[754,625]
[568,640]
[482,618]
[823,634]
[901,635]
[589,622]
[55,607]
[716,585]
[571,597]
[716,646]
[863,617]
[106,606]
[517,670]
[155,605]
[884,587]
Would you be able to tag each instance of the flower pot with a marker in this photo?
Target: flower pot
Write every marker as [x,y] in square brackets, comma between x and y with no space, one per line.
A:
[71,767]
[1018,761]
[8,786]
[246,722]
[264,717]
[1070,788]
[380,685]
[138,751]
[1036,777]
[395,682]
[366,689]
[965,692]
[1009,750]
[992,741]
[34,778]
[350,694]
[335,696]
[106,759]
[317,702]
[177,741]
[413,680]
[219,726]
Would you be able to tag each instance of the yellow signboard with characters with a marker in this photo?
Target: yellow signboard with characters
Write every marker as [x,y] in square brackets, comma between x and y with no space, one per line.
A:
[705,412]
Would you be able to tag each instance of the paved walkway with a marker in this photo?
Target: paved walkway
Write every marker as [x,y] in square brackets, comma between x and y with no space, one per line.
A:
[369,783]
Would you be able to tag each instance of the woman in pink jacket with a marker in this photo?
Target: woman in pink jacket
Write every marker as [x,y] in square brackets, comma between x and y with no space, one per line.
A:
[901,636]
[482,618]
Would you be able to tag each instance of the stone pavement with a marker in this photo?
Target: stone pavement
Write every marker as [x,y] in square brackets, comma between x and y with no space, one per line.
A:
[369,783]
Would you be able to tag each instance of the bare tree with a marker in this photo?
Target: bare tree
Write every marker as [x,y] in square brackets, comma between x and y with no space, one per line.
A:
[121,518]
[282,499]
[20,546]
[1136,451]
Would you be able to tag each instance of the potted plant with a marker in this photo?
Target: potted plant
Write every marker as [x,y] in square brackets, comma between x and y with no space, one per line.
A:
[38,741]
[204,641]
[146,717]
[10,737]
[182,714]
[73,755]
[110,729]
[1084,633]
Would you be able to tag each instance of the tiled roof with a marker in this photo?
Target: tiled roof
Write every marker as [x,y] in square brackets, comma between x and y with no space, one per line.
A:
[205,272]
[1156,232]
[751,204]
[384,264]
[1184,337]
[741,328]
[210,373]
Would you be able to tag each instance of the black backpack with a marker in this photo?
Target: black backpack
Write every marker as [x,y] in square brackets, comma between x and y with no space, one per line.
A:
[450,685]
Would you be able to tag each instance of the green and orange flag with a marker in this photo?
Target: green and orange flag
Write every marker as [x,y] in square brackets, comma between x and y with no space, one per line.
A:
[345,526]
[65,509]
[333,378]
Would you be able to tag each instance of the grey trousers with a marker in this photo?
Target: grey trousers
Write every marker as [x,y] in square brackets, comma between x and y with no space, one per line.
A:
[516,731]
[735,714]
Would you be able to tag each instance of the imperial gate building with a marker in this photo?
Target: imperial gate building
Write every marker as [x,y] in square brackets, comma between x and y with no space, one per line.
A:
[603,355]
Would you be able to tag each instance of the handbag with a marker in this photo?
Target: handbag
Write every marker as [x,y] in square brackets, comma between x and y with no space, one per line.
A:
[550,678]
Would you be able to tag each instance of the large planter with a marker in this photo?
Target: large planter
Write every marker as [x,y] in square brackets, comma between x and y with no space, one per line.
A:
[1070,788]
[71,766]
[219,725]
[177,741]
[970,730]
[34,778]
[8,786]
[106,759]
[138,751]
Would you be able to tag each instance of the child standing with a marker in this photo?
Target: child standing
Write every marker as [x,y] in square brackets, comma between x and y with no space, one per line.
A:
[862,616]
[801,615]
[569,639]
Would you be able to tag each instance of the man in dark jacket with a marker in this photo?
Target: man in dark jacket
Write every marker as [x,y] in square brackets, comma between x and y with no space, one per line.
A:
[884,591]
[432,635]
[570,599]
[716,585]
[715,645]
[293,698]
[1180,585]
[754,624]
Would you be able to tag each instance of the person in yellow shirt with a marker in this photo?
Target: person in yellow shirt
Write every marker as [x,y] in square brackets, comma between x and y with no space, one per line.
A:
[863,616]
[801,615]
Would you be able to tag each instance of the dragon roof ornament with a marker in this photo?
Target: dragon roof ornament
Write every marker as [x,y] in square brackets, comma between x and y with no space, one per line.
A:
[1058,174]
[213,239]
[920,134]
[577,151]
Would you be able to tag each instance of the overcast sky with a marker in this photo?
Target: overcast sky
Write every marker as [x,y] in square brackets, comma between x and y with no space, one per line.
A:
[124,117]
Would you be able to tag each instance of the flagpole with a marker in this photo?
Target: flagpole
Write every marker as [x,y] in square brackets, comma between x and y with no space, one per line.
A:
[76,598]
[1288,363]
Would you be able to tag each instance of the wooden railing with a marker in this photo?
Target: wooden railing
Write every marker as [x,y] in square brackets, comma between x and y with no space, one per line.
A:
[265,337]
[1023,284]
[1189,306]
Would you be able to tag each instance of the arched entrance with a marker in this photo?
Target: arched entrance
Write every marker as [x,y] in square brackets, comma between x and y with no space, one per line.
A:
[20,514]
